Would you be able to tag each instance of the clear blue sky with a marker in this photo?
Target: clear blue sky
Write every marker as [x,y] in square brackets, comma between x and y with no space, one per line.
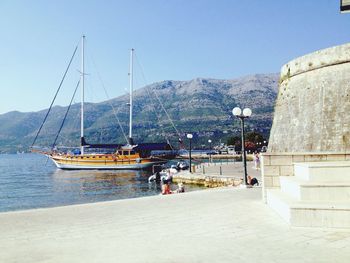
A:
[174,40]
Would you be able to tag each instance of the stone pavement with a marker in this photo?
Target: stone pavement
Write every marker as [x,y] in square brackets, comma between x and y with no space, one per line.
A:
[216,225]
[234,169]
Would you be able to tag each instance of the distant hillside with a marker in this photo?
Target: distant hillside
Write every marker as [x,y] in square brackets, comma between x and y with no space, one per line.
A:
[201,106]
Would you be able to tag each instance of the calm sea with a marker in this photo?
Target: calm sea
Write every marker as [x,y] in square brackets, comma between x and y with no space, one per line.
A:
[31,181]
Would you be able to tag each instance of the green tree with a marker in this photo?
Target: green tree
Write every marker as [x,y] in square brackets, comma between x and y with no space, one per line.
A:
[254,137]
[233,140]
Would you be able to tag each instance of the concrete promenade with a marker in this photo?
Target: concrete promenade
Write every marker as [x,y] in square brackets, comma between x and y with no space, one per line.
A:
[234,169]
[216,225]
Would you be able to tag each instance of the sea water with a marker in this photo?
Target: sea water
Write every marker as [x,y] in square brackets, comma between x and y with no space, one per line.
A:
[32,181]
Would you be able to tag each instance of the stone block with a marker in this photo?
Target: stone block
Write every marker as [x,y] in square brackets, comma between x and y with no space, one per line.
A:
[267,181]
[336,157]
[315,158]
[275,181]
[262,169]
[281,160]
[287,170]
[271,170]
[265,160]
[298,158]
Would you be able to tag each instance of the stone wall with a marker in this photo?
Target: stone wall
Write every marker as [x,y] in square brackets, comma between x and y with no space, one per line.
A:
[274,165]
[206,180]
[313,104]
[312,114]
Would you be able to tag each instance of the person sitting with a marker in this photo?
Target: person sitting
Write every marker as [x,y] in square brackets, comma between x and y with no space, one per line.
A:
[181,188]
[252,181]
[166,188]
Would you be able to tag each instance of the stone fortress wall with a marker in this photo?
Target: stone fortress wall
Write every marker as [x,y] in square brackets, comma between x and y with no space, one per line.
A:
[312,113]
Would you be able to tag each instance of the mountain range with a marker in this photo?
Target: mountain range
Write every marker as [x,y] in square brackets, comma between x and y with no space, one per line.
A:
[162,111]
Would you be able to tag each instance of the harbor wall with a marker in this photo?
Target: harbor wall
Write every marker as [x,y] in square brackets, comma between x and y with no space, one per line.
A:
[216,174]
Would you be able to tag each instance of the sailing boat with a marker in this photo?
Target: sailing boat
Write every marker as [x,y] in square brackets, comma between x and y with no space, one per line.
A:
[130,156]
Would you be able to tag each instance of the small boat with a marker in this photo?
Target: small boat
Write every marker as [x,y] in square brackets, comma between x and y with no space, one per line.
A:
[166,175]
[182,165]
[129,156]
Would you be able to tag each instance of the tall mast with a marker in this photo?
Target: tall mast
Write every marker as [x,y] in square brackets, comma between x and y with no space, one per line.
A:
[131,94]
[82,76]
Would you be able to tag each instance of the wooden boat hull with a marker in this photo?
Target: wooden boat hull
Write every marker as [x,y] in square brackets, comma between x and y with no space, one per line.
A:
[103,163]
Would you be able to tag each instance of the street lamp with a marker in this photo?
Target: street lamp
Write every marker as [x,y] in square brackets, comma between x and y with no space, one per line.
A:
[190,136]
[344,6]
[246,114]
[209,141]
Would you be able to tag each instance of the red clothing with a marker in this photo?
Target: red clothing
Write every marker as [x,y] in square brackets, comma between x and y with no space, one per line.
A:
[166,189]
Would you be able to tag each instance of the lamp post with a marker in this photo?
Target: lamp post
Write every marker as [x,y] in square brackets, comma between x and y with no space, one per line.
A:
[209,141]
[344,6]
[246,114]
[190,136]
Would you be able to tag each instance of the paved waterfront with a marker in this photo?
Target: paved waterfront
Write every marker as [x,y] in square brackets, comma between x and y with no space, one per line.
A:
[216,225]
[229,169]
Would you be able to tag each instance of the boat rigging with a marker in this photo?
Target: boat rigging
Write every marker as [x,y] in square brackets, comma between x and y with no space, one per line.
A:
[129,156]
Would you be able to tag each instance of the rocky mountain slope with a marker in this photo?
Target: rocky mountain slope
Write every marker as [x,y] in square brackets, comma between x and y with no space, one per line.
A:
[201,106]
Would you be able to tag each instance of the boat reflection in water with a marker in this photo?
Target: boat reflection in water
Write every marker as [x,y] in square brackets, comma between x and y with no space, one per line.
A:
[29,181]
[100,185]
[77,186]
